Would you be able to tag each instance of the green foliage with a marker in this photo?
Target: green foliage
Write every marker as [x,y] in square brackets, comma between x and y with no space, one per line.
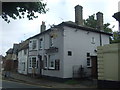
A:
[116,37]
[92,22]
[106,28]
[19,10]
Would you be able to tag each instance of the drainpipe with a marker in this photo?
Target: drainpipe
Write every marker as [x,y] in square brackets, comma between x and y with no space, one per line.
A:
[100,40]
[27,60]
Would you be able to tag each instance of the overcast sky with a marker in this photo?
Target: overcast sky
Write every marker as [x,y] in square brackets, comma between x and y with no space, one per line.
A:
[59,11]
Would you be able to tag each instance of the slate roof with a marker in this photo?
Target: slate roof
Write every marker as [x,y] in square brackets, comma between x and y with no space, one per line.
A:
[24,45]
[10,51]
[73,25]
[15,48]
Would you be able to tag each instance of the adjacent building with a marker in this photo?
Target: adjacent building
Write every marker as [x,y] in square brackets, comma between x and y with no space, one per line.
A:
[12,58]
[23,57]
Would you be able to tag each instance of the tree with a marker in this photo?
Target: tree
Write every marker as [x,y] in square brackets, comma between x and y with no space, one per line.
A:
[92,22]
[116,37]
[18,10]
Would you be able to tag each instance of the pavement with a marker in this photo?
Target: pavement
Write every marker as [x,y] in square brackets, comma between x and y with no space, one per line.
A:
[43,82]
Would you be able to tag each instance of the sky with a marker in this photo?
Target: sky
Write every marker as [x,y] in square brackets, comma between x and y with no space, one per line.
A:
[59,11]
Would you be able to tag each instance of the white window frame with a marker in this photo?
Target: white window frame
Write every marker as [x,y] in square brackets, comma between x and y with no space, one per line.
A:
[25,51]
[31,62]
[34,43]
[93,40]
[49,63]
[41,43]
[45,61]
[51,41]
[23,64]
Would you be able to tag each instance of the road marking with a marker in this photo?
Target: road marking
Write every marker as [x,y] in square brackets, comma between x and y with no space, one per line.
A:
[28,84]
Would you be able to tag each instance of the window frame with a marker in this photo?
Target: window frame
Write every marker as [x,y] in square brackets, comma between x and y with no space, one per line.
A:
[93,40]
[45,62]
[25,51]
[31,62]
[88,60]
[49,62]
[51,41]
[69,53]
[34,44]
[41,43]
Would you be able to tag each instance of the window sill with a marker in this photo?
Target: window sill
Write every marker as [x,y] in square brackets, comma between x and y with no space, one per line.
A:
[45,68]
[40,48]
[51,68]
[89,66]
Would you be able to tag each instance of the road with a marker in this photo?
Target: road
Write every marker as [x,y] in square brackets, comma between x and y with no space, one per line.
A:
[13,84]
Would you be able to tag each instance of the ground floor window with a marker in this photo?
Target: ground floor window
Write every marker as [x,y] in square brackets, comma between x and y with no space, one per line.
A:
[45,61]
[51,61]
[57,64]
[33,62]
[23,63]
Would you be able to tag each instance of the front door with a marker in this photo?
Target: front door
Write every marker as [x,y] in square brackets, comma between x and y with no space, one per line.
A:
[94,67]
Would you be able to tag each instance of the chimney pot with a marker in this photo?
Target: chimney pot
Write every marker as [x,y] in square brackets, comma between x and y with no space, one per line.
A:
[43,26]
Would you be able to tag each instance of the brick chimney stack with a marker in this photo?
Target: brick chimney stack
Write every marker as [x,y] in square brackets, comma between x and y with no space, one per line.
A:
[99,20]
[43,27]
[79,15]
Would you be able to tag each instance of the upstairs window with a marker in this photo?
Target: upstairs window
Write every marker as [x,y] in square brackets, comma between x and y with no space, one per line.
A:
[88,54]
[41,43]
[69,53]
[25,51]
[51,41]
[93,40]
[34,44]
